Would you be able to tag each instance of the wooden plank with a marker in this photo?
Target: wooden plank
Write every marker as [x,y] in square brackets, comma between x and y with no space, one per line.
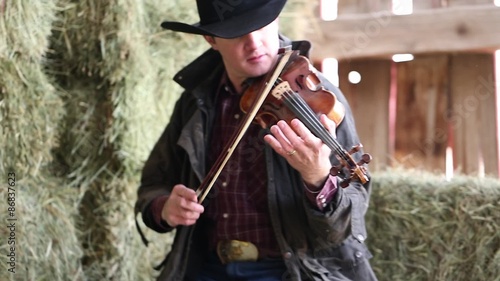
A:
[454,3]
[428,4]
[421,124]
[488,126]
[362,6]
[433,30]
[369,101]
[349,7]
[474,114]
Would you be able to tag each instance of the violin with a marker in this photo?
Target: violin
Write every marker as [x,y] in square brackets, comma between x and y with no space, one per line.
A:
[292,90]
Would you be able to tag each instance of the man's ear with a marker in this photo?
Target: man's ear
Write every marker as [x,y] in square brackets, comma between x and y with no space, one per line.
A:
[211,41]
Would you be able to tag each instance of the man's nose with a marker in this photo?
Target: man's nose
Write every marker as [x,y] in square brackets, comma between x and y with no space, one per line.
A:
[253,40]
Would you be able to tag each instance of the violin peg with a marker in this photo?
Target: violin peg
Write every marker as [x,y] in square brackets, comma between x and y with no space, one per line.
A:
[355,148]
[345,183]
[334,171]
[365,159]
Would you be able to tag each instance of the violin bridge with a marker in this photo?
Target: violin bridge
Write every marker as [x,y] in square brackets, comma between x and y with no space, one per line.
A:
[280,89]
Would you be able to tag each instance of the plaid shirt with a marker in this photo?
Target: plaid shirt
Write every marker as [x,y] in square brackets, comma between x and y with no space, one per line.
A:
[239,204]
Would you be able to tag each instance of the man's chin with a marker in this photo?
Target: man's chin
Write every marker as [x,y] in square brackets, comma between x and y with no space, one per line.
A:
[262,70]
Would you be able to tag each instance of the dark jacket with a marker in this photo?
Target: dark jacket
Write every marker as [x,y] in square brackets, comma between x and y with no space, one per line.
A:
[316,245]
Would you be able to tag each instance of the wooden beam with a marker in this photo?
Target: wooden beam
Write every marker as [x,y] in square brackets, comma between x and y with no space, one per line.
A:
[462,28]
[473,114]
[421,124]
[362,6]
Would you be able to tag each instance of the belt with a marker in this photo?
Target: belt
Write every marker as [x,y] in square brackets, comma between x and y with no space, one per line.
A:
[235,250]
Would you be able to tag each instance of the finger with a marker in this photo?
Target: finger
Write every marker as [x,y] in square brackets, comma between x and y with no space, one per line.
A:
[304,133]
[185,216]
[272,141]
[186,199]
[278,141]
[175,214]
[191,206]
[179,220]
[191,215]
[329,124]
[184,192]
[292,139]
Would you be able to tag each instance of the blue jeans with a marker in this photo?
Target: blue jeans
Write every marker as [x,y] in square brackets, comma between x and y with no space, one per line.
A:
[262,270]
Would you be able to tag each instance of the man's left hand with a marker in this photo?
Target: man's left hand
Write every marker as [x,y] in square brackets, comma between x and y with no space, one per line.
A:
[303,150]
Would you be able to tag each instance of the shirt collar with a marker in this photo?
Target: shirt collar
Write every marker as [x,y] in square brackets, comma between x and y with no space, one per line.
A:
[227,85]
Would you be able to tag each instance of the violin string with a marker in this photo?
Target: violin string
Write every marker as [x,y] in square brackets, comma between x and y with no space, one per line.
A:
[304,113]
[298,105]
[313,123]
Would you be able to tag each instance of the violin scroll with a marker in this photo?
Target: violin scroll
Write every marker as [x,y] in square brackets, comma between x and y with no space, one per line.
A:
[357,171]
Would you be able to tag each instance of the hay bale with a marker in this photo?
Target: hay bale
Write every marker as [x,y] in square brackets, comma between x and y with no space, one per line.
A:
[119,52]
[112,61]
[112,248]
[423,227]
[30,107]
[25,27]
[46,240]
[84,154]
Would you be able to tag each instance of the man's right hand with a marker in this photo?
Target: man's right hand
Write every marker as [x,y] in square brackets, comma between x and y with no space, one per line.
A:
[181,207]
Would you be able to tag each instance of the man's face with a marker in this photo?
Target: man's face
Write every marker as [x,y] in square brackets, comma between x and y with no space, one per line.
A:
[250,55]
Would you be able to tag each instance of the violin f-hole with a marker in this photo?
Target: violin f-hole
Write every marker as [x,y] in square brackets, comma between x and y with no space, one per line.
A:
[313,84]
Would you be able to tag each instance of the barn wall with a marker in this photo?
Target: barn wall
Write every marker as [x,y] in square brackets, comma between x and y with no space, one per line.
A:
[409,113]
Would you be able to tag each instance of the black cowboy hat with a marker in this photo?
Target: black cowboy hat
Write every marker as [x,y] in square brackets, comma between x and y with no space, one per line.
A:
[230,18]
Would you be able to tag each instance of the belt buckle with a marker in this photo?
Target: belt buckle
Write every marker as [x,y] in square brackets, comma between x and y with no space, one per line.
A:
[235,250]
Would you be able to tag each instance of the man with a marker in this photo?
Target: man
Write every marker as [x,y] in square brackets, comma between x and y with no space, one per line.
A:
[275,212]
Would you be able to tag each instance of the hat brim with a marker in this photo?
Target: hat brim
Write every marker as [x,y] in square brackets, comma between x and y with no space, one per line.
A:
[232,27]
